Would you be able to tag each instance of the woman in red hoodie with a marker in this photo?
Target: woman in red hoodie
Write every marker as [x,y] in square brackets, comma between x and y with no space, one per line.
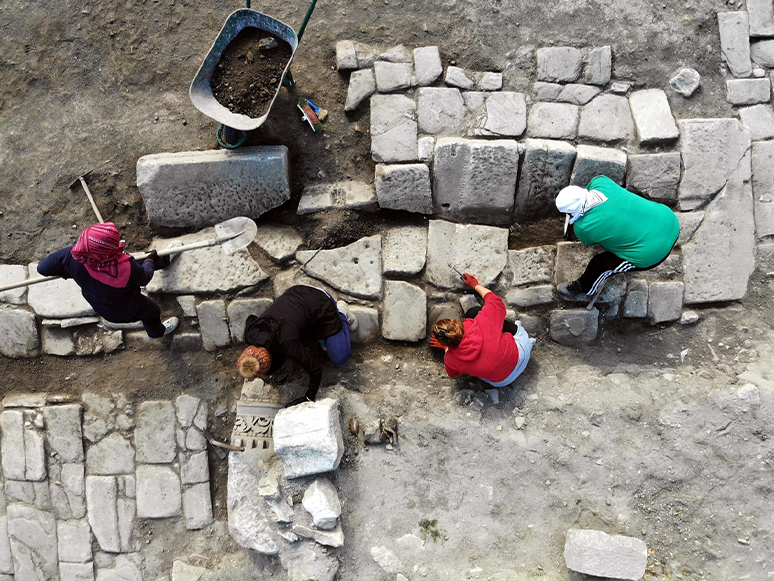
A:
[484,345]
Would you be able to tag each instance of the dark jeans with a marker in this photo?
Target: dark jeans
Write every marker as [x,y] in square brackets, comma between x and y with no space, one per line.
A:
[508,327]
[149,314]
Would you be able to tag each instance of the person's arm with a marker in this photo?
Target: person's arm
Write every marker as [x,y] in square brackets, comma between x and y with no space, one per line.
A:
[141,274]
[53,264]
[471,281]
[296,351]
[450,371]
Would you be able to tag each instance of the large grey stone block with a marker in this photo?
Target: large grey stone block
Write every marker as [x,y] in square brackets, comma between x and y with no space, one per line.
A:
[18,333]
[636,303]
[560,64]
[546,170]
[392,76]
[489,81]
[599,66]
[348,195]
[735,42]
[76,571]
[404,250]
[712,150]
[530,296]
[6,557]
[475,180]
[718,262]
[154,434]
[346,58]
[689,224]
[206,270]
[238,310]
[57,299]
[653,117]
[213,323]
[368,329]
[748,91]
[57,341]
[531,265]
[12,444]
[197,506]
[404,187]
[13,273]
[761,15]
[322,502]
[665,301]
[308,439]
[606,118]
[655,175]
[596,553]
[397,54]
[440,111]
[762,53]
[553,120]
[592,161]
[201,188]
[450,244]
[355,269]
[101,499]
[405,311]
[158,492]
[74,541]
[763,187]
[460,78]
[32,533]
[362,84]
[111,455]
[427,65]
[506,114]
[63,428]
[759,120]
[574,326]
[278,242]
[393,128]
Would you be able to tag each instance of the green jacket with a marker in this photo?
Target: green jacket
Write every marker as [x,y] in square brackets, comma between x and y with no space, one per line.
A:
[629,226]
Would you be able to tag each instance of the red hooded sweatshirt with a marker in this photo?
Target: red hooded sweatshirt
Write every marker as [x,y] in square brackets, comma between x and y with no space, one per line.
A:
[485,351]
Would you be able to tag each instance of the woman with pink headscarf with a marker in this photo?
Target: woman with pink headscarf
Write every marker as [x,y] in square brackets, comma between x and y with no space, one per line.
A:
[110,279]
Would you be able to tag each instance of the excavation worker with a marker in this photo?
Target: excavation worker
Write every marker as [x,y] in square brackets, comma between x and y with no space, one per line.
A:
[302,315]
[637,234]
[110,279]
[484,344]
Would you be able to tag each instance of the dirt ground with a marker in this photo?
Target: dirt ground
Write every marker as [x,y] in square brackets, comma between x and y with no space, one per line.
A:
[640,433]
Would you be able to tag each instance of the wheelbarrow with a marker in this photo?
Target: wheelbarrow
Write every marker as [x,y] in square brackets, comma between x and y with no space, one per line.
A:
[233,128]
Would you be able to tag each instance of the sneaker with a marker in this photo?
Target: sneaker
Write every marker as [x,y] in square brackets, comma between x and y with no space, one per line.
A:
[351,319]
[170,325]
[572,291]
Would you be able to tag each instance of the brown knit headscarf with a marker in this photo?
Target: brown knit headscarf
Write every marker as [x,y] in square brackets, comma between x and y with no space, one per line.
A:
[254,362]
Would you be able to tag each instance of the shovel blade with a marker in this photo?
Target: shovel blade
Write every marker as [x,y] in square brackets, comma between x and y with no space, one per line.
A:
[244,227]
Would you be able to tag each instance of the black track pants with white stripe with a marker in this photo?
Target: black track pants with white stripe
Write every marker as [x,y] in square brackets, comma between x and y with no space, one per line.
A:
[602,266]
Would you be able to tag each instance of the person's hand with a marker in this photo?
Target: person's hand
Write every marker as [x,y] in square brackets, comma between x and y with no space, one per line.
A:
[434,343]
[470,280]
[153,255]
[159,262]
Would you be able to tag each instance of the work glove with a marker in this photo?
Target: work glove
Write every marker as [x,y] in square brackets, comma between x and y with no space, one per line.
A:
[159,262]
[434,343]
[470,280]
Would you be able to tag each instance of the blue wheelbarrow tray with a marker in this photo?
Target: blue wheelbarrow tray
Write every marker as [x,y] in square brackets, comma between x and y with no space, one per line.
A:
[201,87]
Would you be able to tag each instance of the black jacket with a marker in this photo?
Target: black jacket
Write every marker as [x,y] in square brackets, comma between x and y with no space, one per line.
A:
[302,314]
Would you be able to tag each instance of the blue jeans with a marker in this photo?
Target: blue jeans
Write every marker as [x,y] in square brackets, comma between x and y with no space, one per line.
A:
[338,346]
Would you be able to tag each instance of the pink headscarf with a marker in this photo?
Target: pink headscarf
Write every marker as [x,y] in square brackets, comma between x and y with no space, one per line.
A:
[100,250]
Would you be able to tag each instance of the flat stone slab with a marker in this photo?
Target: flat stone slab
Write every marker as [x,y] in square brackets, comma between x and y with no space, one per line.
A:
[63,429]
[439,110]
[13,273]
[158,491]
[607,118]
[653,117]
[763,187]
[560,64]
[404,250]
[18,333]
[530,296]
[197,506]
[213,323]
[759,121]
[362,84]
[531,265]
[348,195]
[553,120]
[393,128]
[201,188]
[355,269]
[546,170]
[101,500]
[761,15]
[762,53]
[239,309]
[154,434]
[427,65]
[57,299]
[397,54]
[405,312]
[735,42]
[32,533]
[655,175]
[599,66]
[308,438]
[571,93]
[368,329]
[205,270]
[475,180]
[574,326]
[665,301]
[592,161]
[111,455]
[449,245]
[712,150]
[354,55]
[278,242]
[748,91]
[392,76]
[506,114]
[596,553]
[404,187]
[636,302]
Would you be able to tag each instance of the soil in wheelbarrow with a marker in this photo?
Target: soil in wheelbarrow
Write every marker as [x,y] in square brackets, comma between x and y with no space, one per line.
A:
[248,74]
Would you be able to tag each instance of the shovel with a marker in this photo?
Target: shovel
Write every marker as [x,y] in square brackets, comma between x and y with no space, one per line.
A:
[232,235]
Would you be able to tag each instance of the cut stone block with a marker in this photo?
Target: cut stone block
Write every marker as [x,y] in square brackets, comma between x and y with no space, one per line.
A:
[545,171]
[596,553]
[636,303]
[607,118]
[393,128]
[655,175]
[355,269]
[689,224]
[404,187]
[201,188]
[427,65]
[548,92]
[158,492]
[405,312]
[349,195]
[574,326]
[440,111]
[530,296]
[475,180]
[712,150]
[490,81]
[206,270]
[18,333]
[559,64]
[368,329]
[577,94]
[74,541]
[13,273]
[686,81]
[362,84]
[457,77]
[185,572]
[763,187]
[346,58]
[63,428]
[308,439]
[197,506]
[426,148]
[32,533]
[599,66]
[449,243]
[194,469]
[57,341]
[278,242]
[759,120]
[553,121]
[761,15]
[592,161]
[665,301]
[124,569]
[214,324]
[762,53]
[506,114]
[322,501]
[392,76]
[238,310]
[735,42]
[154,435]
[748,91]
[728,230]
[531,265]
[653,117]
[111,455]
[186,341]
[101,498]
[397,54]
[404,251]
[57,299]
[12,444]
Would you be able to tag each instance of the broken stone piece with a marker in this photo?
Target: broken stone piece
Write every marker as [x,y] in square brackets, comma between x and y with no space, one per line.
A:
[596,553]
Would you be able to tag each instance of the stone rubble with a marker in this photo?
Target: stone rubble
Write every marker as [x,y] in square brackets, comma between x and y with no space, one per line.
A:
[686,81]
[362,84]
